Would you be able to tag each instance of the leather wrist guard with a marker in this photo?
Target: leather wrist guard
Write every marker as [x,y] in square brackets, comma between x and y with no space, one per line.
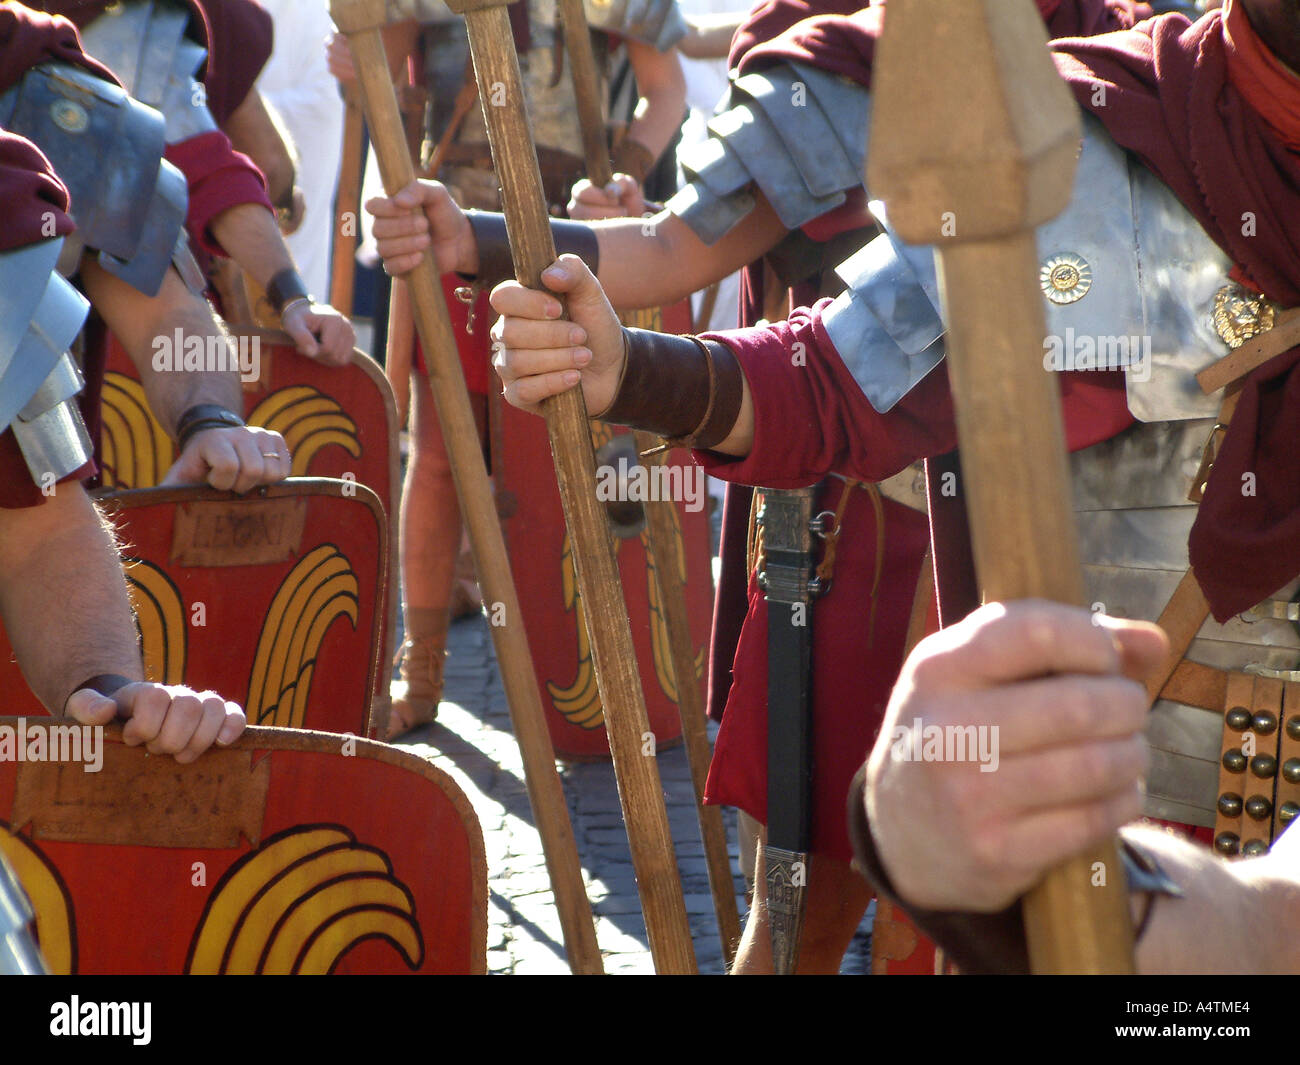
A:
[204,416]
[494,262]
[106,684]
[990,942]
[285,288]
[632,157]
[682,388]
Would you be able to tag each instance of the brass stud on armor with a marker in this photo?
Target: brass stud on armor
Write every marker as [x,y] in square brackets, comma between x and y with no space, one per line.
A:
[1258,807]
[1065,278]
[1263,766]
[1234,761]
[1293,726]
[1238,719]
[1264,722]
[1227,843]
[1291,770]
[1287,811]
[1230,804]
[1254,848]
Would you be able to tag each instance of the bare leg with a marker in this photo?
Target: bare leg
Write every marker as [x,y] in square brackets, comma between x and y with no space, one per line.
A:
[430,542]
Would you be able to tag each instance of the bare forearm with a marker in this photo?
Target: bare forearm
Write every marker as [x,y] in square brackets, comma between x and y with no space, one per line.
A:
[710,35]
[662,86]
[1235,917]
[649,262]
[659,115]
[250,236]
[253,130]
[147,328]
[63,596]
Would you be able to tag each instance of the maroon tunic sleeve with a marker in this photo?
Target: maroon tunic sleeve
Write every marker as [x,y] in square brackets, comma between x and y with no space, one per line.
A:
[811,418]
[219,178]
[240,36]
[35,209]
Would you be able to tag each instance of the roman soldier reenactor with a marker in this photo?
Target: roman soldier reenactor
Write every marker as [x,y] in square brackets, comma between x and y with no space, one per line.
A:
[158,48]
[435,584]
[66,605]
[779,190]
[1146,251]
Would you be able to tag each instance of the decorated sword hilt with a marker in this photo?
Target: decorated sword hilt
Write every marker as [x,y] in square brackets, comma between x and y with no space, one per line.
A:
[788,532]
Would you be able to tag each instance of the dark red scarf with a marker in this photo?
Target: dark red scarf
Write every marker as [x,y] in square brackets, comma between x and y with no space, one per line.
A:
[1173,96]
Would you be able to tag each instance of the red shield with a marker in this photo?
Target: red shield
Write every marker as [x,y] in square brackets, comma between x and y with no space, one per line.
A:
[275,599]
[339,421]
[543,572]
[280,854]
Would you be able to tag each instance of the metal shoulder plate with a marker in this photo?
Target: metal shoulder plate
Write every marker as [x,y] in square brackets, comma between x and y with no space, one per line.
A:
[658,23]
[797,133]
[128,202]
[1129,280]
[40,316]
[145,43]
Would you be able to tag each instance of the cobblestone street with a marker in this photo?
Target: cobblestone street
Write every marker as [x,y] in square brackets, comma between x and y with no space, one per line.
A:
[472,741]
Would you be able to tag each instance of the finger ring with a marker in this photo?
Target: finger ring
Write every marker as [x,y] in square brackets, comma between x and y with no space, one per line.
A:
[270,454]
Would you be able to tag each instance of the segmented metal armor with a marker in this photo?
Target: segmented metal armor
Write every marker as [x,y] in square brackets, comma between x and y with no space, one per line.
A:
[128,202]
[797,133]
[548,88]
[148,44]
[40,316]
[1129,280]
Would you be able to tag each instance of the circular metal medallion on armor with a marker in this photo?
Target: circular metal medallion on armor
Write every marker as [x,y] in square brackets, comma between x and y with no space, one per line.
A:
[1065,278]
[1240,314]
[69,116]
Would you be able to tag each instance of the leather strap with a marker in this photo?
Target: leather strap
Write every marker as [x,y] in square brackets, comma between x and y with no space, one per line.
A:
[466,98]
[1193,684]
[682,388]
[1287,804]
[1251,355]
[1182,619]
[1239,695]
[920,605]
[495,263]
[106,684]
[1260,777]
[284,288]
[632,157]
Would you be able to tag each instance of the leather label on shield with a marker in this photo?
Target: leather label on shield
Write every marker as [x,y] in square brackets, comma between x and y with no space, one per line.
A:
[221,533]
[139,803]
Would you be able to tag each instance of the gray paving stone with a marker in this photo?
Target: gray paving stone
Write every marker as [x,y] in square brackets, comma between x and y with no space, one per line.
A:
[472,741]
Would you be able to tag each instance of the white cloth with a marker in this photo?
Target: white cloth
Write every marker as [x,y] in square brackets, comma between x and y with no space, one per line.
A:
[706,86]
[297,83]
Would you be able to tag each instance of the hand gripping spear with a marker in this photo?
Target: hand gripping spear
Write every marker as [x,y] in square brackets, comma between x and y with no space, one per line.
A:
[659,524]
[970,151]
[361,21]
[496,69]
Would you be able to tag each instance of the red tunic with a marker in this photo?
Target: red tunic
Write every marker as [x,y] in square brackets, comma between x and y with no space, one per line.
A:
[853,669]
[811,420]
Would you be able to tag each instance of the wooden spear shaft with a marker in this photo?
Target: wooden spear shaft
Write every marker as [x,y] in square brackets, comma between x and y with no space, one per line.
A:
[343,269]
[496,68]
[661,529]
[970,153]
[690,707]
[360,20]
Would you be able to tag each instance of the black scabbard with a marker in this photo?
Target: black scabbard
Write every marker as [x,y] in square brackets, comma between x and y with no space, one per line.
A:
[788,556]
